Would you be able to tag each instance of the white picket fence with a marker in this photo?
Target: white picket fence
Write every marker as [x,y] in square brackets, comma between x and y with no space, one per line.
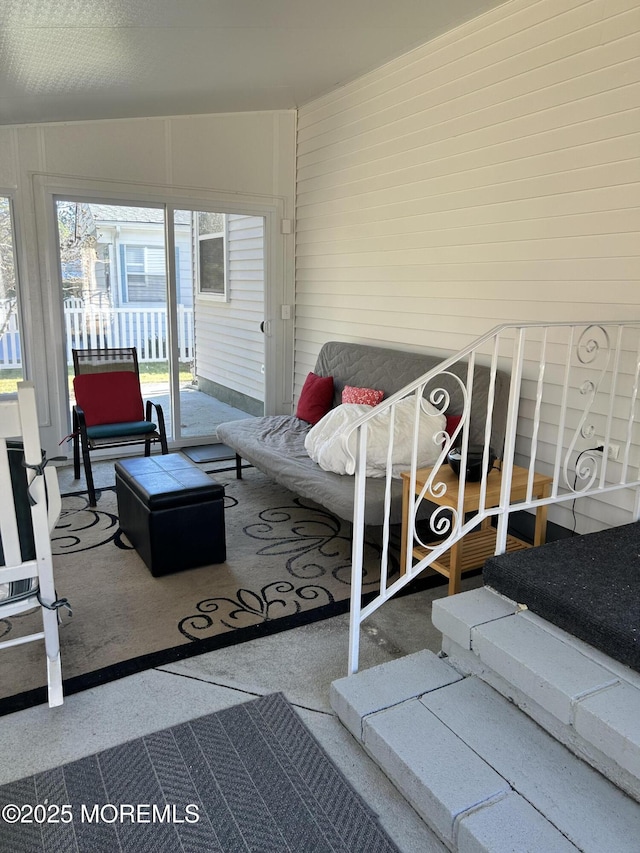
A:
[10,353]
[86,326]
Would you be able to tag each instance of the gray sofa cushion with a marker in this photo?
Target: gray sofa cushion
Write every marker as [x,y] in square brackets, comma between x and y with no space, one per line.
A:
[391,370]
[275,444]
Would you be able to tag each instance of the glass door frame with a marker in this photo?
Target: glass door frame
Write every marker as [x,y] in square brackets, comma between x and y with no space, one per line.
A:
[278,337]
[173,297]
[21,302]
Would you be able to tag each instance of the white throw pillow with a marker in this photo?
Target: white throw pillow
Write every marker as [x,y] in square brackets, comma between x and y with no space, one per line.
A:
[328,445]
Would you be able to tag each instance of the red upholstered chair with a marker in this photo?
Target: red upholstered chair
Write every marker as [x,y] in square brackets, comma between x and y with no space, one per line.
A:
[109,411]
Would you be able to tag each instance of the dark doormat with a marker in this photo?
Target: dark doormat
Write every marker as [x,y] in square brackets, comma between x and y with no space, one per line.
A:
[250,777]
[209,453]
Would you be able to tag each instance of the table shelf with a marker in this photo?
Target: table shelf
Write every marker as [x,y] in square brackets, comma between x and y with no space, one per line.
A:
[479,545]
[472,550]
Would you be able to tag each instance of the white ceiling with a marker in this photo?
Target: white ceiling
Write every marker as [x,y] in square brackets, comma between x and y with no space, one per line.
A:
[83,59]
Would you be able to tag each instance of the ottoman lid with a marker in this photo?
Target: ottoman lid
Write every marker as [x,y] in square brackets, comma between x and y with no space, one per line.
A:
[167,481]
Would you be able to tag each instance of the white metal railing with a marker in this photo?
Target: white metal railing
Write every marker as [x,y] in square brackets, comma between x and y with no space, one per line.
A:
[572,388]
[88,326]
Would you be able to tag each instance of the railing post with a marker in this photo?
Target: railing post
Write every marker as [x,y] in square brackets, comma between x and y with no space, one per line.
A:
[510,441]
[117,314]
[145,336]
[357,550]
[108,325]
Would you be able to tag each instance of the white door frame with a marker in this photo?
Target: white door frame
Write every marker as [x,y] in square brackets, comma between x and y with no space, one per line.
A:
[278,289]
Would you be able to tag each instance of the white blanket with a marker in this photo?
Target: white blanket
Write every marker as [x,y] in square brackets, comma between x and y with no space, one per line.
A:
[326,444]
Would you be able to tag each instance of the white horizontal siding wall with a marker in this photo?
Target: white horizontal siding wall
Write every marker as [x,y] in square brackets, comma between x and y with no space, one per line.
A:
[229,343]
[491,175]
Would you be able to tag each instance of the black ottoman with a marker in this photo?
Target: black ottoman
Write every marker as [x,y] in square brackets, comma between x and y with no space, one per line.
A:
[171,511]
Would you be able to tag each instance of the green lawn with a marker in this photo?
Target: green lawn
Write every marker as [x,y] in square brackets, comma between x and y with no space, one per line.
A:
[8,380]
[159,372]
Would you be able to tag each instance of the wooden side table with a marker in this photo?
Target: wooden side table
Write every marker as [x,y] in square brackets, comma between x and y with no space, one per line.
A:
[472,550]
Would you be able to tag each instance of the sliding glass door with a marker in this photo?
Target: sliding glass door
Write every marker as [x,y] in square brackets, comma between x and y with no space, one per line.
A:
[220,267]
[186,288]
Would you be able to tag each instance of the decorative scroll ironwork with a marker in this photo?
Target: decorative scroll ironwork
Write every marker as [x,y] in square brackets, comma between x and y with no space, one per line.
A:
[593,355]
[594,343]
[443,521]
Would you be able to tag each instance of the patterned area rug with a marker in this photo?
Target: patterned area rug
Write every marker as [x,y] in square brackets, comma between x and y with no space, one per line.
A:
[248,778]
[288,563]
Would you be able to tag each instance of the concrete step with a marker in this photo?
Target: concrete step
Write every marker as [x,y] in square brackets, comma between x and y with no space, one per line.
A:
[479,771]
[585,699]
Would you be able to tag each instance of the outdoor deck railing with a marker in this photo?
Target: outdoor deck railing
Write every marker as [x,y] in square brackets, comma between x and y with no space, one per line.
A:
[144,328]
[573,388]
[10,355]
[87,326]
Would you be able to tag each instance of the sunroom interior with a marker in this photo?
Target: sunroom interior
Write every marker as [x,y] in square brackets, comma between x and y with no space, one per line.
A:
[478,173]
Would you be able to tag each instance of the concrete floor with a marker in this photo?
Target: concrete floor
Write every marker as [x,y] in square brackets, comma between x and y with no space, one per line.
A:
[301,663]
[200,414]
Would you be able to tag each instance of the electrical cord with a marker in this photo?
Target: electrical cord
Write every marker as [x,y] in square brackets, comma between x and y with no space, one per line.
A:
[598,449]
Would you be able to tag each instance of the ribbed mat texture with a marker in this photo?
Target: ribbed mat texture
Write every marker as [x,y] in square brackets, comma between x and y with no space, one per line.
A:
[248,778]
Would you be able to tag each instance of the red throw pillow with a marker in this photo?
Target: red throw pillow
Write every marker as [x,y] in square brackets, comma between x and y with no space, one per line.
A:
[452,423]
[316,398]
[365,396]
[109,398]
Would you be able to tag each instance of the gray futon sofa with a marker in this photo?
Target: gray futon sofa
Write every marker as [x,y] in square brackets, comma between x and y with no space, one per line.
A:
[275,444]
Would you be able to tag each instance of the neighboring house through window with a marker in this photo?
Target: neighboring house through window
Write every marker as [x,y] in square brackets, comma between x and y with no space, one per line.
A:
[144,273]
